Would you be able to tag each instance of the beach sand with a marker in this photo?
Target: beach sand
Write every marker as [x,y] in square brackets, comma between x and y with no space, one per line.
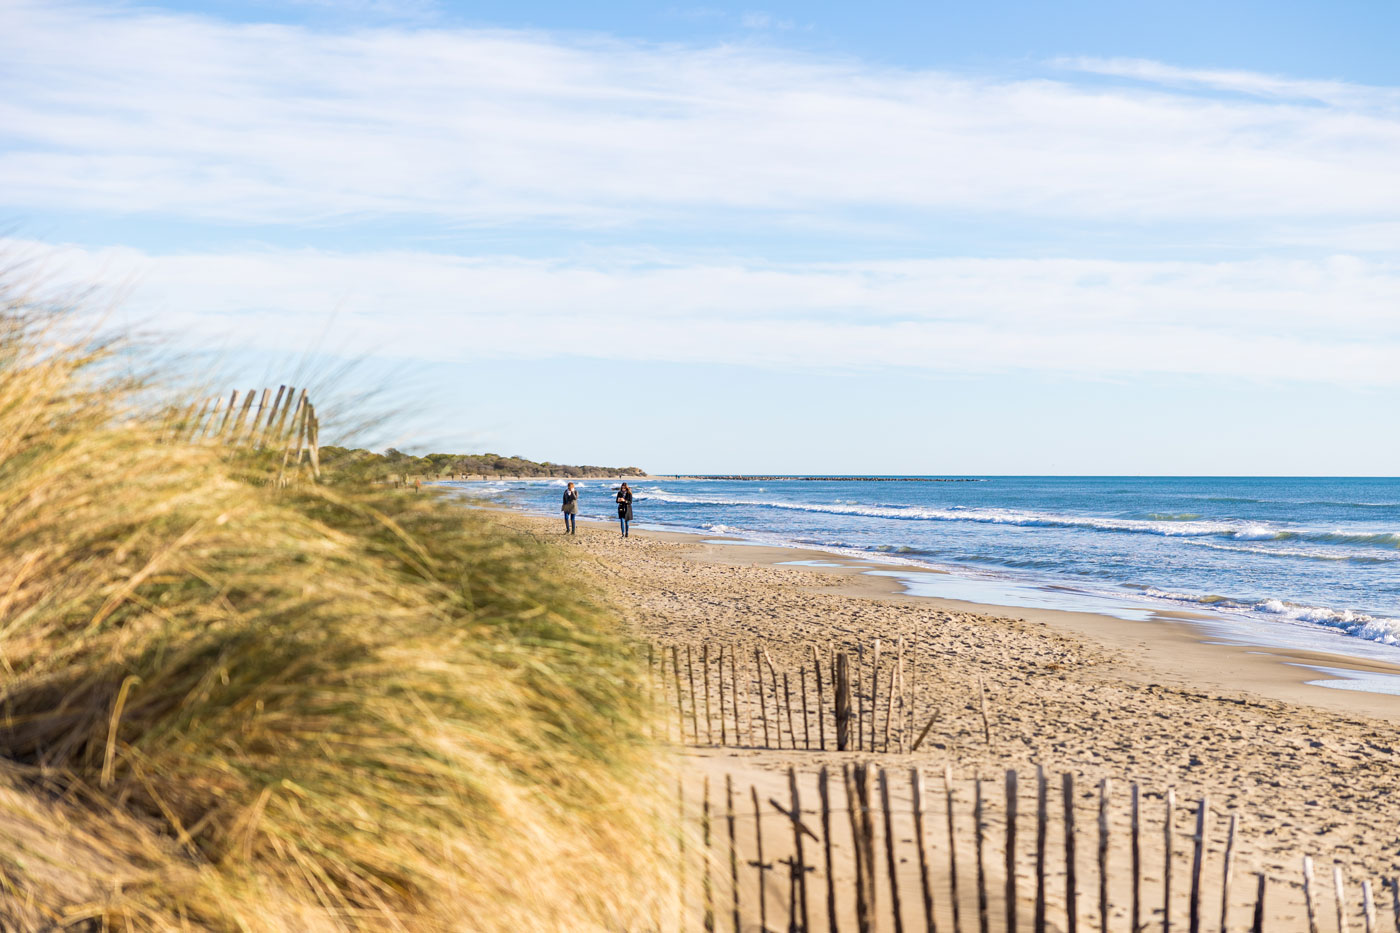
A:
[1308,770]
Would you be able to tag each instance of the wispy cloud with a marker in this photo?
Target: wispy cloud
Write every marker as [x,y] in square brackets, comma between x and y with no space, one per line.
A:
[1335,93]
[136,112]
[1324,321]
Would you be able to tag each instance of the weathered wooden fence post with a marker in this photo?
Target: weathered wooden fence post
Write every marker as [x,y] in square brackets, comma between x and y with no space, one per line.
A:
[707,884]
[1308,893]
[705,668]
[799,854]
[1197,861]
[890,862]
[916,784]
[1136,845]
[952,849]
[1103,855]
[824,791]
[874,692]
[1339,889]
[1071,877]
[759,864]
[843,701]
[1228,872]
[1042,820]
[979,826]
[694,711]
[1167,862]
[733,849]
[762,702]
[1011,792]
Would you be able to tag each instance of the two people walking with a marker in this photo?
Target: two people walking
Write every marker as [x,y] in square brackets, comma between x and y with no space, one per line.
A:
[570,509]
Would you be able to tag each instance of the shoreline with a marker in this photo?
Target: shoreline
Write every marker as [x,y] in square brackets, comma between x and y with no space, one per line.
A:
[1309,770]
[1176,644]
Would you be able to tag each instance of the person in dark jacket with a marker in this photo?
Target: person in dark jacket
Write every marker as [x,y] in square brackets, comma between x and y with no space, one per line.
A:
[624,507]
[570,510]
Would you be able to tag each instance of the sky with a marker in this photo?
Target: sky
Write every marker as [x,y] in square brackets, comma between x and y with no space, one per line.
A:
[1007,237]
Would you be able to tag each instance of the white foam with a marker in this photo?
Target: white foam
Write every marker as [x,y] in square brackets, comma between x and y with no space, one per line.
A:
[1235,529]
[1358,624]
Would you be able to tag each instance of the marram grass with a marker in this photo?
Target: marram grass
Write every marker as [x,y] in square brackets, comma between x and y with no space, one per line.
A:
[228,706]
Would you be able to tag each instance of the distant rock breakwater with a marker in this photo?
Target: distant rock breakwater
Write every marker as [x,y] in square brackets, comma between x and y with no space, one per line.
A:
[848,479]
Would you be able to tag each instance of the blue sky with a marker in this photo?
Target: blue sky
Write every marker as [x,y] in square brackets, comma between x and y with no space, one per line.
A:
[917,238]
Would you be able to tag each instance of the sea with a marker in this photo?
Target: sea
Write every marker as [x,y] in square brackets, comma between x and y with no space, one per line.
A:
[1309,563]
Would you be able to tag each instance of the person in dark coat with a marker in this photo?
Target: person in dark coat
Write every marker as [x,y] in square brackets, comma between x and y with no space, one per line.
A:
[570,510]
[624,507]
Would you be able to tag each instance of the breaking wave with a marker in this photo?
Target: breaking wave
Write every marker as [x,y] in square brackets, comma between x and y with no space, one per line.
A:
[1179,526]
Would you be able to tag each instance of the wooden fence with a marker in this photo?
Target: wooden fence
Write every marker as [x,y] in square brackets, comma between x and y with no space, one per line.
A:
[286,421]
[866,849]
[991,871]
[727,695]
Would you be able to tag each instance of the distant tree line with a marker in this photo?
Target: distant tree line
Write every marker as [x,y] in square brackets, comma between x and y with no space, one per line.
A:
[358,462]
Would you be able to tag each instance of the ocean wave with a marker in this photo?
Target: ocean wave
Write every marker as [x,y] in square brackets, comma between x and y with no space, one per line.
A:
[1358,624]
[1177,527]
[1295,552]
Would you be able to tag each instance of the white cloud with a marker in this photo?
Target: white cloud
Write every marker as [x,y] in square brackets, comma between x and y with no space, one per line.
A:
[1326,321]
[137,112]
[1337,93]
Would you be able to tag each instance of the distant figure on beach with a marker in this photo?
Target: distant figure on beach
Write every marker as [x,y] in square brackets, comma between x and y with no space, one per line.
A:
[624,507]
[570,509]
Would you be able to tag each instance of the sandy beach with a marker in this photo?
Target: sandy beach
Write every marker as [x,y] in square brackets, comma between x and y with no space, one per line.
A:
[1308,770]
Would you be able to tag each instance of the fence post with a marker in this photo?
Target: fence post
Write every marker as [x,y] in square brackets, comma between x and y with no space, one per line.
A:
[694,711]
[916,784]
[733,849]
[1197,861]
[979,832]
[821,701]
[1071,879]
[1136,845]
[762,701]
[705,668]
[1229,871]
[952,849]
[890,862]
[1340,890]
[707,885]
[1011,790]
[1308,893]
[759,863]
[1103,855]
[680,696]
[874,692]
[843,701]
[865,878]
[1167,863]
[1042,819]
[824,791]
[799,854]
[806,721]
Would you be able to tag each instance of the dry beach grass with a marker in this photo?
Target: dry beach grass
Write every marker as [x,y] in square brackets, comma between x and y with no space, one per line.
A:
[231,706]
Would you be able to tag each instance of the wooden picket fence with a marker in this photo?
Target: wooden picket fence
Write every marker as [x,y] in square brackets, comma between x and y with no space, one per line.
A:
[286,422]
[727,695]
[883,851]
[739,697]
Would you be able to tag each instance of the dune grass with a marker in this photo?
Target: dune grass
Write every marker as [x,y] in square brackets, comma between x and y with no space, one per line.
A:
[229,706]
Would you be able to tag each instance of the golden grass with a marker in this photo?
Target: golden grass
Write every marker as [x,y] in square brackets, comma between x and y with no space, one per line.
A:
[227,706]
